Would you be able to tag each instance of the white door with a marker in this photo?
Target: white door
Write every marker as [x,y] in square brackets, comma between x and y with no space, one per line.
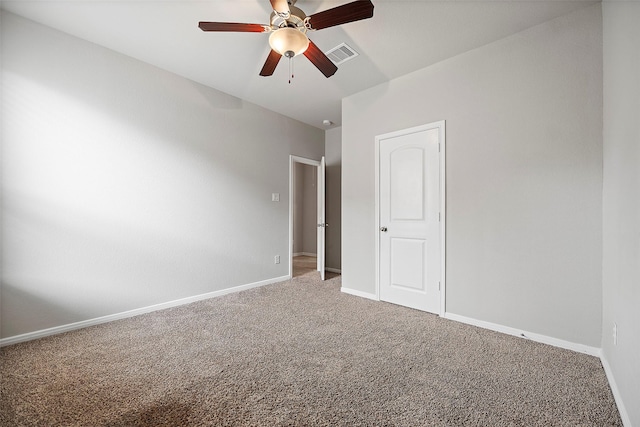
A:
[409,217]
[321,218]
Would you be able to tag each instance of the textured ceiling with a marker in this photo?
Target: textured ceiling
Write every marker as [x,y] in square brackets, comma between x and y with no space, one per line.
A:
[403,36]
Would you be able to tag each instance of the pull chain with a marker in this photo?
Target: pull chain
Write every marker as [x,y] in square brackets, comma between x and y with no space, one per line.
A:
[289,54]
[290,68]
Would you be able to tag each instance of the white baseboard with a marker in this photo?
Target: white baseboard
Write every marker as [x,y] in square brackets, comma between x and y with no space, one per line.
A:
[556,342]
[624,415]
[333,270]
[135,312]
[304,254]
[359,293]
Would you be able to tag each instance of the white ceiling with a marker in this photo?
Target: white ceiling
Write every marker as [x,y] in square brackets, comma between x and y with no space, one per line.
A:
[403,36]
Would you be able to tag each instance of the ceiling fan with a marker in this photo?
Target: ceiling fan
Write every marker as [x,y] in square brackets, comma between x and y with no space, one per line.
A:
[289,26]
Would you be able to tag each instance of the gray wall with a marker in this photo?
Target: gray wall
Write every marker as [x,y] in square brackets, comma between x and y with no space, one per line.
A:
[333,158]
[524,175]
[621,222]
[126,186]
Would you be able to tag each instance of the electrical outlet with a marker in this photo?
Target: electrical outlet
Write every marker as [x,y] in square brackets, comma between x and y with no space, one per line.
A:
[275,197]
[276,259]
[615,334]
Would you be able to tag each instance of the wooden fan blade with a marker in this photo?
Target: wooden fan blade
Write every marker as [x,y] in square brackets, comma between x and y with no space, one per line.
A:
[280,6]
[350,12]
[270,64]
[232,26]
[320,60]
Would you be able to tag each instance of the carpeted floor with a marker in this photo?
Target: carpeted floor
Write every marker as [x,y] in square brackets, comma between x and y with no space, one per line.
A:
[298,353]
[303,265]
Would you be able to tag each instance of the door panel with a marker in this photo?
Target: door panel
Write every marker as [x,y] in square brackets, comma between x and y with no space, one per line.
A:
[407,184]
[407,264]
[409,207]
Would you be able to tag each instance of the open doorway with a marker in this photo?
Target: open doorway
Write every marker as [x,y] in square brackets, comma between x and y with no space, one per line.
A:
[305,206]
[306,216]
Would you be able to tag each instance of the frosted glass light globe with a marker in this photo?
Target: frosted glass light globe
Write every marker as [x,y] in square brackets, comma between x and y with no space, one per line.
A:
[288,42]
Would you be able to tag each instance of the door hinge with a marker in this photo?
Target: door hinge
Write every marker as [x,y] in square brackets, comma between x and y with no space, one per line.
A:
[438,147]
[439,286]
[439,217]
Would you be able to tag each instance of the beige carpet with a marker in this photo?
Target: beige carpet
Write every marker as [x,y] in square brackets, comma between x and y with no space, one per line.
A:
[303,265]
[297,353]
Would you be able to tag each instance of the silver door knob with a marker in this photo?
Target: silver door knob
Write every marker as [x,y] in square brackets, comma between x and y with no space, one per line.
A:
[383,229]
[323,225]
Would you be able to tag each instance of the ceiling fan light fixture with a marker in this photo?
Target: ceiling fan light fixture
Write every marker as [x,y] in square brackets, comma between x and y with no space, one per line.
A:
[288,41]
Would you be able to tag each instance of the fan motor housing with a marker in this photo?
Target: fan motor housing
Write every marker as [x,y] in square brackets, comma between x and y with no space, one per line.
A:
[296,19]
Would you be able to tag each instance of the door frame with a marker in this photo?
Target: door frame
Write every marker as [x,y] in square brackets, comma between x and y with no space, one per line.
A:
[292,163]
[440,125]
